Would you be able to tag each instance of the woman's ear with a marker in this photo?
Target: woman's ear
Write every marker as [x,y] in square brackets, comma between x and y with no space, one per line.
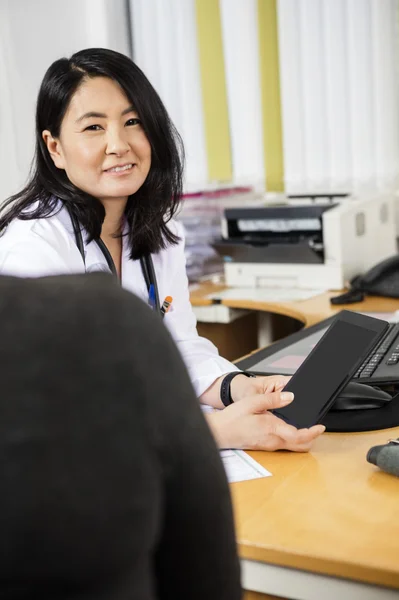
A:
[54,149]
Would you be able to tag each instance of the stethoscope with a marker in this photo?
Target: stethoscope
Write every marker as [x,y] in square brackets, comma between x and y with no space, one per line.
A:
[147,266]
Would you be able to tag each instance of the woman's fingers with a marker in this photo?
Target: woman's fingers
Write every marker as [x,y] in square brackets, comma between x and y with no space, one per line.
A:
[262,402]
[281,444]
[273,383]
[294,438]
[284,431]
[249,424]
[243,387]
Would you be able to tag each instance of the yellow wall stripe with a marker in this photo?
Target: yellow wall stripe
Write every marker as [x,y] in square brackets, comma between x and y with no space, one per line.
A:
[270,90]
[214,94]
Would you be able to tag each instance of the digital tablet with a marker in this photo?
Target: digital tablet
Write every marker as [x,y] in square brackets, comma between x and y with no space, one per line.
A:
[329,367]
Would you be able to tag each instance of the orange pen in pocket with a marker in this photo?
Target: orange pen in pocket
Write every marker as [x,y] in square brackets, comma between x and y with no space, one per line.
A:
[166,305]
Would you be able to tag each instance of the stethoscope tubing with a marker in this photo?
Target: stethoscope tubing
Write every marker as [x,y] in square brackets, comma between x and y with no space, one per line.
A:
[146,263]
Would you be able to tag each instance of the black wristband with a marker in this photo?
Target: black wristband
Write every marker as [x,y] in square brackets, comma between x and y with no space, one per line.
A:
[225,392]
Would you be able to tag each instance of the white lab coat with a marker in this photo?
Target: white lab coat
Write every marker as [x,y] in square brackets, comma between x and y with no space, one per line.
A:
[41,247]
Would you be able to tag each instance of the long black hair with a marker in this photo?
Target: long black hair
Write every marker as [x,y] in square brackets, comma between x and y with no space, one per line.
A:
[150,208]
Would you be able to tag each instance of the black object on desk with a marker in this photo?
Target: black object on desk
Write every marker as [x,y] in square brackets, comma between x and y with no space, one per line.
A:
[380,367]
[329,367]
[386,457]
[380,280]
[359,396]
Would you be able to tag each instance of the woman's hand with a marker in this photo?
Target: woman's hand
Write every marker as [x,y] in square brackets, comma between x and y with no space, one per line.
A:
[248,425]
[242,386]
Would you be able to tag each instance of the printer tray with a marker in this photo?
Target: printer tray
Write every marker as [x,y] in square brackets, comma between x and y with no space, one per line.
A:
[245,252]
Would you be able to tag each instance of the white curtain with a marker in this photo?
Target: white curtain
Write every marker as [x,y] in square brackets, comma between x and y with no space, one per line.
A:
[241,58]
[339,167]
[165,47]
[339,89]
[292,101]
[32,35]
[314,116]
[385,23]
[10,171]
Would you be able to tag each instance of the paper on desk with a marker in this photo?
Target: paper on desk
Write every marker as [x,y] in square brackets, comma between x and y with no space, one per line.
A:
[239,466]
[265,294]
[193,286]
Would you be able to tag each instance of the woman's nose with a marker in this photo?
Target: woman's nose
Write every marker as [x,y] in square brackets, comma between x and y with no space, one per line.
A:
[116,142]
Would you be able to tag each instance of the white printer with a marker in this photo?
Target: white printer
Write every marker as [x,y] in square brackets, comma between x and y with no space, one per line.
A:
[319,244]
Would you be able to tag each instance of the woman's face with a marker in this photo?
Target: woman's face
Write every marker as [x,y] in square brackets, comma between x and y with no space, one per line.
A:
[102,146]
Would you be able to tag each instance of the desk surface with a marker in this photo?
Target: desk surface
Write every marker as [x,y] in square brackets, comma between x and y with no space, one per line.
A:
[307,311]
[328,511]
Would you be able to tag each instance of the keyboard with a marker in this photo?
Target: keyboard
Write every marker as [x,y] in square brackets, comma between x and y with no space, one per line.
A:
[386,352]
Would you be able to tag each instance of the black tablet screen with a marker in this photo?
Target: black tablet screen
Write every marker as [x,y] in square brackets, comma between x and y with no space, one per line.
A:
[325,372]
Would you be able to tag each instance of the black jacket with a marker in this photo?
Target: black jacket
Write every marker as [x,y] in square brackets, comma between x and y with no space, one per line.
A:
[111,484]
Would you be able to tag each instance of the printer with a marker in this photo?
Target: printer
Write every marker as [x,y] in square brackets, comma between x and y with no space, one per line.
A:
[319,244]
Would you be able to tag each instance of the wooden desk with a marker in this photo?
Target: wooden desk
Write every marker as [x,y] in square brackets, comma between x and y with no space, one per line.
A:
[317,308]
[240,337]
[326,525]
[307,311]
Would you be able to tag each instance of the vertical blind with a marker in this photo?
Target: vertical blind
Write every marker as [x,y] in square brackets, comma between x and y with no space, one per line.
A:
[318,112]
[165,47]
[289,94]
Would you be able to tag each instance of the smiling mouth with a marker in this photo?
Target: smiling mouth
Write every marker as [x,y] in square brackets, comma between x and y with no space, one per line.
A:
[128,167]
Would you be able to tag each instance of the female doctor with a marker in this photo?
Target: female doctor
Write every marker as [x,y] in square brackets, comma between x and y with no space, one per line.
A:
[105,184]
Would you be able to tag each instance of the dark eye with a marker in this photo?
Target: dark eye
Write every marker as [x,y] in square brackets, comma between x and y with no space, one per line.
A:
[93,128]
[133,121]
